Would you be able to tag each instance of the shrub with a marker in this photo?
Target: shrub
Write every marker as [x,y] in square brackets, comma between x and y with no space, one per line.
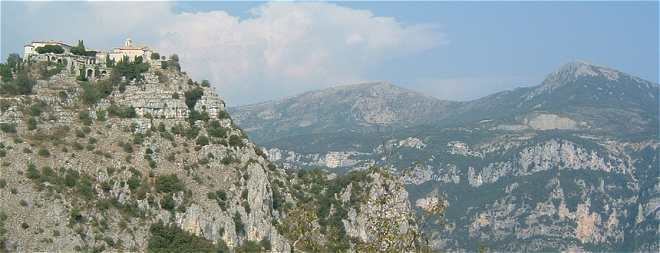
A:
[223,115]
[31,123]
[131,69]
[92,93]
[169,184]
[8,127]
[32,172]
[101,115]
[238,224]
[202,140]
[192,96]
[3,183]
[43,152]
[155,56]
[168,202]
[171,239]
[235,141]
[122,111]
[215,130]
[85,118]
[36,109]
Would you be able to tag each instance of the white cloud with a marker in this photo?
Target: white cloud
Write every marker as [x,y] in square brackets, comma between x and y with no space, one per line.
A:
[280,49]
[286,48]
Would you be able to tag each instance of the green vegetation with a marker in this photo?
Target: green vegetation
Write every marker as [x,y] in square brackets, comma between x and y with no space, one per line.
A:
[172,239]
[8,127]
[80,50]
[23,84]
[215,130]
[31,123]
[219,196]
[238,224]
[169,184]
[192,96]
[56,49]
[85,118]
[94,92]
[131,69]
[202,140]
[121,111]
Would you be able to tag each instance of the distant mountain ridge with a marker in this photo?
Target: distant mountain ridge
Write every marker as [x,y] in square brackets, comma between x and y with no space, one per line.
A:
[355,108]
[568,165]
[586,94]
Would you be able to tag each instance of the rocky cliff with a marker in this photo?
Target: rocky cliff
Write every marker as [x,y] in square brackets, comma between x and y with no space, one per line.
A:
[150,164]
[569,164]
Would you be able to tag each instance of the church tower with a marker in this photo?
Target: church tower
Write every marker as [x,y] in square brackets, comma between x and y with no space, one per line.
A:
[128,43]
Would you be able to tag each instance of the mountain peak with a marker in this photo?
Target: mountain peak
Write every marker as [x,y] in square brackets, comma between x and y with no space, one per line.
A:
[576,69]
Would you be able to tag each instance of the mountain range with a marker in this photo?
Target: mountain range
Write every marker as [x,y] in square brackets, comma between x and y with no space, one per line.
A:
[569,164]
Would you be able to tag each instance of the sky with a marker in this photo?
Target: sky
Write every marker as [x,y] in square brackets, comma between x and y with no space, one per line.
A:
[258,51]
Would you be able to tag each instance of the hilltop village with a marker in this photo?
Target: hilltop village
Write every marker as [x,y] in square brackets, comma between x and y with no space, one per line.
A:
[88,63]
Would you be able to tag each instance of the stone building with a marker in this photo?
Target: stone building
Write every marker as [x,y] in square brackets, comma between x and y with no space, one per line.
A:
[131,51]
[31,48]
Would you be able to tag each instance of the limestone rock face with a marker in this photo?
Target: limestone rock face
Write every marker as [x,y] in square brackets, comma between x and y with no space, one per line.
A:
[385,221]
[86,179]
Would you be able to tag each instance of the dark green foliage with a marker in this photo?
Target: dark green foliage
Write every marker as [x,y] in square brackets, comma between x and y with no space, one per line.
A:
[238,224]
[206,83]
[101,115]
[168,202]
[79,49]
[3,183]
[169,184]
[223,115]
[171,239]
[36,109]
[202,140]
[5,73]
[195,116]
[85,118]
[22,85]
[235,141]
[71,178]
[75,216]
[219,196]
[50,49]
[131,69]
[121,111]
[31,123]
[191,132]
[8,127]
[85,188]
[215,130]
[155,56]
[93,92]
[192,96]
[43,152]
[32,172]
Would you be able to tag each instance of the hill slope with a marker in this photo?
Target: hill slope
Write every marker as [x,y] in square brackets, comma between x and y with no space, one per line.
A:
[570,164]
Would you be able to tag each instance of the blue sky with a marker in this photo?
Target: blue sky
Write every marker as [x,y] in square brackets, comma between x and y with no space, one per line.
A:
[450,50]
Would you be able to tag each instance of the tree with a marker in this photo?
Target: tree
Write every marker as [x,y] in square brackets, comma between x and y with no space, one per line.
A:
[155,56]
[23,83]
[50,49]
[5,73]
[14,61]
[79,49]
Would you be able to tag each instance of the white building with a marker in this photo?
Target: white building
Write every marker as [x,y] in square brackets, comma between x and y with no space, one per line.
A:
[131,51]
[31,48]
